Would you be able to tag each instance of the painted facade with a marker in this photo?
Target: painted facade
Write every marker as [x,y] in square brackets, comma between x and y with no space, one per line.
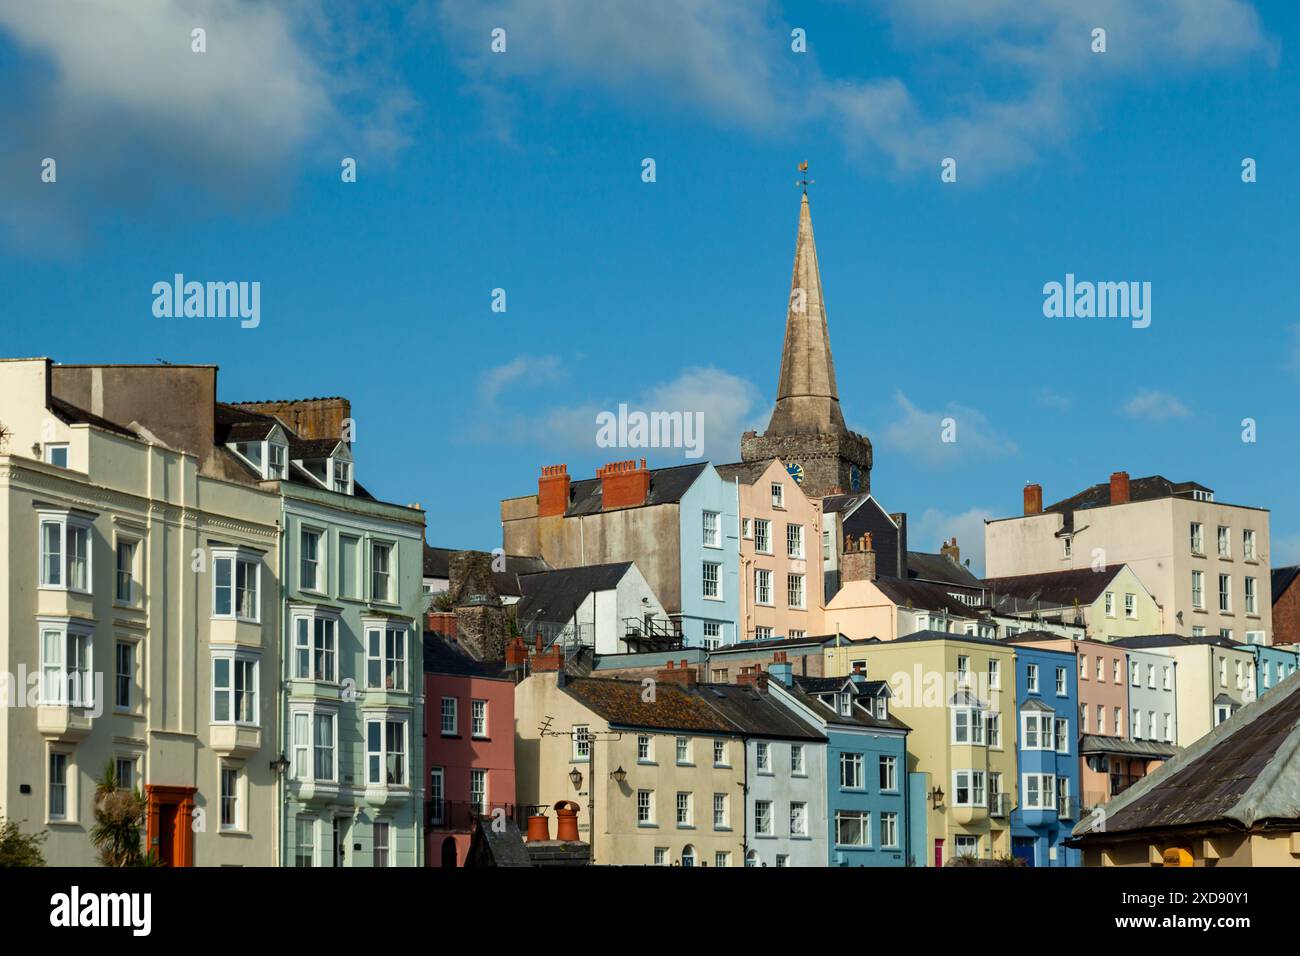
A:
[1152,696]
[114,547]
[1176,538]
[866,781]
[1273,665]
[780,553]
[956,693]
[353,706]
[469,747]
[1047,743]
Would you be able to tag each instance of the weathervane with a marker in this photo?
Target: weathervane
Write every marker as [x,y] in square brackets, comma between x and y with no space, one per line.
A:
[805,182]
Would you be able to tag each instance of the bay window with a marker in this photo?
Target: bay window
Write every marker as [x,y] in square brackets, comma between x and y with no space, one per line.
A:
[65,550]
[234,687]
[67,658]
[236,576]
[385,656]
[385,752]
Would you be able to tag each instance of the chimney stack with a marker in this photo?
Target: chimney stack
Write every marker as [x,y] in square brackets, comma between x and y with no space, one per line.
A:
[553,491]
[753,676]
[673,674]
[1119,487]
[858,563]
[1033,499]
[623,484]
[950,550]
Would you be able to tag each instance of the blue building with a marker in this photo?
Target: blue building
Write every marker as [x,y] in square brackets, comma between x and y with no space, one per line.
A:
[1272,665]
[1047,756]
[867,783]
[709,543]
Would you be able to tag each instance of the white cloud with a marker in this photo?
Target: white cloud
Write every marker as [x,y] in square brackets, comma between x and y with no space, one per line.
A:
[1155,406]
[730,59]
[1286,550]
[933,527]
[526,371]
[921,433]
[133,116]
[1050,399]
[727,403]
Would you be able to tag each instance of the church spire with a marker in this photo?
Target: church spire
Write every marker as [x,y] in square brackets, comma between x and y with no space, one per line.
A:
[807,401]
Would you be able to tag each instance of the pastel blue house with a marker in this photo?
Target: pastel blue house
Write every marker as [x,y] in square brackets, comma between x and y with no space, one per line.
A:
[1047,751]
[867,783]
[710,561]
[1272,665]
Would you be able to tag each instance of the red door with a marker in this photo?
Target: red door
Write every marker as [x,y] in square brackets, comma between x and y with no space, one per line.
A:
[167,834]
[938,853]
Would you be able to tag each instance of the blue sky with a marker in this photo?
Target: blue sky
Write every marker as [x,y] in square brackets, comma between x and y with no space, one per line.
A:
[522,171]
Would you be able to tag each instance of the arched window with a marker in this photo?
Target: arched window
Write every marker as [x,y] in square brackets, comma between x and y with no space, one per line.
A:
[751,858]
[449,852]
[688,855]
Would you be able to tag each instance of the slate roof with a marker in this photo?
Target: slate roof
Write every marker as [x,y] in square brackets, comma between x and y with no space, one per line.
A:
[753,712]
[619,702]
[71,414]
[1059,588]
[923,566]
[920,636]
[837,504]
[1139,489]
[667,485]
[497,846]
[437,561]
[772,644]
[1177,640]
[1281,579]
[923,596]
[235,424]
[311,449]
[443,656]
[805,689]
[556,595]
[1245,771]
[1101,744]
[744,471]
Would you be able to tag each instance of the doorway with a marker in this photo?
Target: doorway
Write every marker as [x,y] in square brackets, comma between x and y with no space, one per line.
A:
[169,833]
[449,852]
[938,852]
[1022,848]
[340,841]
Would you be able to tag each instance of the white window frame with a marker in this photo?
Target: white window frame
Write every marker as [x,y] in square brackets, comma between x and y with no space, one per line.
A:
[243,597]
[68,681]
[236,798]
[796,592]
[977,795]
[66,522]
[794,541]
[322,649]
[316,583]
[132,598]
[711,580]
[762,536]
[385,721]
[711,530]
[387,593]
[237,662]
[387,653]
[478,718]
[763,587]
[1198,590]
[52,450]
[581,735]
[860,818]
[305,753]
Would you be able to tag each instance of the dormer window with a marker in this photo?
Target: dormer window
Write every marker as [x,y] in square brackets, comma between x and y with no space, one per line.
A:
[845,704]
[881,708]
[268,456]
[342,474]
[277,461]
[65,550]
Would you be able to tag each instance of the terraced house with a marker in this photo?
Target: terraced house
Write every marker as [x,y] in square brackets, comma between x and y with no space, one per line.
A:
[352,712]
[956,694]
[140,621]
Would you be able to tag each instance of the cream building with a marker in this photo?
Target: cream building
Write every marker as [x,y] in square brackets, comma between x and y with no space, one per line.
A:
[681,799]
[1105,602]
[1214,679]
[1206,563]
[957,693]
[139,601]
[781,552]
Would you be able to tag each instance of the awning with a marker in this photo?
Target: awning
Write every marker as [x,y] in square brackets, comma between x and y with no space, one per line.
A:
[1118,746]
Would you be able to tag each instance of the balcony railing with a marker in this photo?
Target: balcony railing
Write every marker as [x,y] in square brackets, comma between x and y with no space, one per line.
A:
[1067,809]
[461,815]
[654,633]
[999,804]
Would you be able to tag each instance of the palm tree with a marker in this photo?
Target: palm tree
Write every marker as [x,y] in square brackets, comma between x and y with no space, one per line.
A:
[119,814]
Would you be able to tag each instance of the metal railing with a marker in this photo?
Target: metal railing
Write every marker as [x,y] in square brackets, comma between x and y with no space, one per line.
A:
[1067,809]
[656,633]
[462,814]
[999,804]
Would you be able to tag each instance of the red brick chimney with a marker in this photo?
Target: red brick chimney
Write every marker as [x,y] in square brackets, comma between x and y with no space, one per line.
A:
[552,660]
[950,550]
[858,562]
[754,676]
[1033,499]
[516,652]
[623,484]
[442,622]
[672,674]
[553,491]
[1119,487]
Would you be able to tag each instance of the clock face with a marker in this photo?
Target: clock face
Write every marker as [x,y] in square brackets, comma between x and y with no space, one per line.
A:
[855,478]
[796,472]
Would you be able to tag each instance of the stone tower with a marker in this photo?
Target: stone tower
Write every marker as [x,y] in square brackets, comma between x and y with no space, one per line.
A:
[807,429]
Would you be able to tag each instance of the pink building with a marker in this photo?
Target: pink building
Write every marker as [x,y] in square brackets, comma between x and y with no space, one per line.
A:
[469,742]
[781,582]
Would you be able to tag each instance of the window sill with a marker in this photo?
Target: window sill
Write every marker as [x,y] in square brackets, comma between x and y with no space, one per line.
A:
[647,763]
[686,826]
[446,736]
[647,826]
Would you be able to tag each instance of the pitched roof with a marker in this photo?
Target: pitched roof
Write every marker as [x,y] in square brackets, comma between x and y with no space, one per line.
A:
[754,712]
[1177,640]
[620,702]
[921,636]
[437,561]
[1281,579]
[235,424]
[836,504]
[747,472]
[1060,588]
[771,644]
[1139,489]
[444,656]
[1101,744]
[556,595]
[1244,772]
[806,689]
[923,595]
[71,414]
[923,566]
[667,485]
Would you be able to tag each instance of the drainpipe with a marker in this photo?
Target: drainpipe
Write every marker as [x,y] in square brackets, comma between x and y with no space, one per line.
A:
[907,807]
[282,802]
[744,800]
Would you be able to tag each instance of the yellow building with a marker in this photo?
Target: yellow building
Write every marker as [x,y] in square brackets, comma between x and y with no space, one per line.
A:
[681,800]
[138,622]
[957,693]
